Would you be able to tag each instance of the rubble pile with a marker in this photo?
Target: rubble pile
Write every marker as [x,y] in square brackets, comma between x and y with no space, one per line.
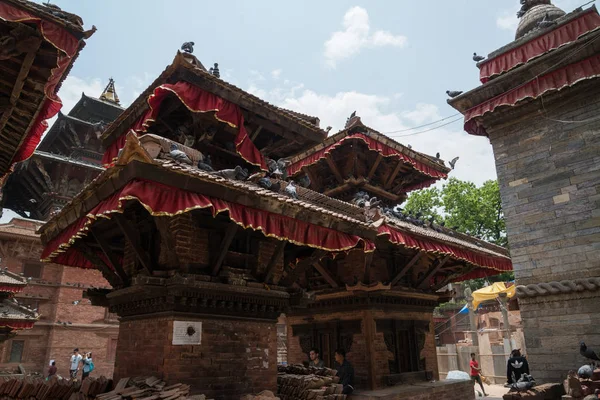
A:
[140,388]
[296,382]
[583,384]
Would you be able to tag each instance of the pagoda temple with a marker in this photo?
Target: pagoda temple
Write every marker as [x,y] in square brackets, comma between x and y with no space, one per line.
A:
[538,105]
[217,212]
[38,45]
[68,158]
[13,316]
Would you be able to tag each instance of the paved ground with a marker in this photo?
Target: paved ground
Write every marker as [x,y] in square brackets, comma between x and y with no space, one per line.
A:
[495,392]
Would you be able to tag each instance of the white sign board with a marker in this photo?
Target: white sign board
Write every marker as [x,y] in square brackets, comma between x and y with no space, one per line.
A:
[187,332]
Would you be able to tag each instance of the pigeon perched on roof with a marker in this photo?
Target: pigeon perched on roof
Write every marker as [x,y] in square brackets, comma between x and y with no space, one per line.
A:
[179,155]
[453,162]
[587,353]
[437,156]
[304,181]
[453,93]
[265,182]
[477,58]
[585,372]
[188,47]
[290,190]
[238,173]
[546,23]
[206,164]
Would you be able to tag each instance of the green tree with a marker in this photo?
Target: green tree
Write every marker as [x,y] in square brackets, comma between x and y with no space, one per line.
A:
[467,208]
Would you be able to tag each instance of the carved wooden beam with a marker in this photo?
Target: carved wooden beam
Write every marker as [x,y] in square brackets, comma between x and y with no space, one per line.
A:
[424,282]
[368,261]
[256,132]
[407,267]
[334,169]
[134,239]
[393,175]
[108,274]
[273,261]
[225,243]
[321,269]
[110,255]
[168,240]
[302,266]
[315,182]
[375,165]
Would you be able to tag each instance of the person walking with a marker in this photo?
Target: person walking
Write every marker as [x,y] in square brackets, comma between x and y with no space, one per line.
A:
[75,361]
[51,370]
[315,359]
[88,365]
[475,373]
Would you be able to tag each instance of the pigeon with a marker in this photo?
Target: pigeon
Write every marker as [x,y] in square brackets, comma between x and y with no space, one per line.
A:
[546,23]
[477,58]
[278,168]
[587,353]
[328,129]
[304,181]
[179,155]
[75,302]
[188,47]
[437,156]
[290,190]
[206,164]
[353,114]
[238,173]
[453,162]
[585,372]
[265,183]
[215,71]
[409,146]
[453,93]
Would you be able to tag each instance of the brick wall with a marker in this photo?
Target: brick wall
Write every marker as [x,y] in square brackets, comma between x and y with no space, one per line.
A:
[234,357]
[549,176]
[54,293]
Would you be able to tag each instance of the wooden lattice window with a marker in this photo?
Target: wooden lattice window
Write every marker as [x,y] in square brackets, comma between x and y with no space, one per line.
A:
[16,351]
[32,270]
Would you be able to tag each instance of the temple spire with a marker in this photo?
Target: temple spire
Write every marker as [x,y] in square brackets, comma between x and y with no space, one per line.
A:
[110,94]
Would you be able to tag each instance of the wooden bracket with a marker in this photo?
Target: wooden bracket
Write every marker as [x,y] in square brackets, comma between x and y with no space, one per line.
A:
[134,239]
[334,169]
[273,261]
[375,165]
[110,256]
[424,283]
[108,274]
[168,240]
[393,175]
[407,267]
[321,269]
[303,265]
[225,243]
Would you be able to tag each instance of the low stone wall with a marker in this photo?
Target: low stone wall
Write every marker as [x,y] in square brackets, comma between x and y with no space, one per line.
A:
[447,390]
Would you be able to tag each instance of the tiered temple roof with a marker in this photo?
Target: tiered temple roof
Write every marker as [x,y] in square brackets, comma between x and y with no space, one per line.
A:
[39,45]
[66,160]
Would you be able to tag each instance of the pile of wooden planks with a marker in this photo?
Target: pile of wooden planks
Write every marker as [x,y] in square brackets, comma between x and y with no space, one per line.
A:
[299,383]
[140,388]
[37,388]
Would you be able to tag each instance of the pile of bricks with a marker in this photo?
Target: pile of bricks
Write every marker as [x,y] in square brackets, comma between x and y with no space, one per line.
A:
[577,388]
[296,382]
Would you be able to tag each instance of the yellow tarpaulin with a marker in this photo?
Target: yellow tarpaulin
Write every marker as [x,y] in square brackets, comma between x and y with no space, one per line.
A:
[491,292]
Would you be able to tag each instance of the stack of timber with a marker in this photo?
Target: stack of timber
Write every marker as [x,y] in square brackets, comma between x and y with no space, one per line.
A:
[296,382]
[140,388]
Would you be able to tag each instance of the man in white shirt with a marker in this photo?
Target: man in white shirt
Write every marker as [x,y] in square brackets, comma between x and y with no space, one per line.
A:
[75,360]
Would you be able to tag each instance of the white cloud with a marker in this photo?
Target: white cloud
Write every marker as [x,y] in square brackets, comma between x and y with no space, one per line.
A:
[72,88]
[423,113]
[507,22]
[355,36]
[276,73]
[476,158]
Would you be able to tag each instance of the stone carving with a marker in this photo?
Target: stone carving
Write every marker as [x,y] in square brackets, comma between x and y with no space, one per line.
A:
[17,42]
[562,287]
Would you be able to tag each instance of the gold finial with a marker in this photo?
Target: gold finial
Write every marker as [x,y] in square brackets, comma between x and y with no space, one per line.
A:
[110,94]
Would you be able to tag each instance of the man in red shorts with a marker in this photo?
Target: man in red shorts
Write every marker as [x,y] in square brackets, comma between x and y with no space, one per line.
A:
[475,371]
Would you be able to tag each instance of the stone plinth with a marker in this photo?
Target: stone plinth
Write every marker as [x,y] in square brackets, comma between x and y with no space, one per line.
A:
[229,342]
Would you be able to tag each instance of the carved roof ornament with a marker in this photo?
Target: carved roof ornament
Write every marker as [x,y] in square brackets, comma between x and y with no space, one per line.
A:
[533,12]
[110,93]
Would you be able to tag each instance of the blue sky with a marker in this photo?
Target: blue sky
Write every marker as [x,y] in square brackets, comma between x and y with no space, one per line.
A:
[391,61]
